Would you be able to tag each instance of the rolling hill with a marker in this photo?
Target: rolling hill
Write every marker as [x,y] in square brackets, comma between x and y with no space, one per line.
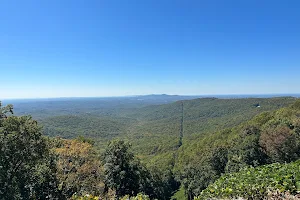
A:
[191,142]
[153,128]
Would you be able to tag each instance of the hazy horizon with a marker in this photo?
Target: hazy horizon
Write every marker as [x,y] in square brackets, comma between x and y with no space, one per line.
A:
[145,95]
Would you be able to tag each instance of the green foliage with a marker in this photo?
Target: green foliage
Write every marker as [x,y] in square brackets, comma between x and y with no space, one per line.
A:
[246,150]
[127,176]
[26,164]
[267,138]
[179,195]
[217,136]
[85,140]
[85,197]
[4,111]
[139,196]
[196,179]
[72,126]
[255,183]
[152,129]
[79,169]
[121,170]
[219,159]
[45,178]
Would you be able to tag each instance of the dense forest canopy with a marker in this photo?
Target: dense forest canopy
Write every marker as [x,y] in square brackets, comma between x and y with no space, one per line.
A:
[168,151]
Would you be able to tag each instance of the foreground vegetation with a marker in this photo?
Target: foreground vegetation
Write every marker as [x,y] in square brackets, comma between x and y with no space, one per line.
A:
[37,167]
[220,162]
[270,137]
[256,183]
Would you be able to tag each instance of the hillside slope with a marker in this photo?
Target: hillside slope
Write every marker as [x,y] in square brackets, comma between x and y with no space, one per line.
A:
[153,129]
[269,137]
[204,115]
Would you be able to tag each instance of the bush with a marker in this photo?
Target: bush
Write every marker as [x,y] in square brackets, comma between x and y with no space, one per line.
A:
[256,183]
[139,196]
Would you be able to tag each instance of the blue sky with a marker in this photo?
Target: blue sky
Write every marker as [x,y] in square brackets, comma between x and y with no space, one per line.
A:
[67,48]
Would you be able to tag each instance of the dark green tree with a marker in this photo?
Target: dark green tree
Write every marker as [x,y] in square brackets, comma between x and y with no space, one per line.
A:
[219,159]
[246,151]
[26,172]
[197,178]
[46,182]
[3,112]
[121,170]
[127,176]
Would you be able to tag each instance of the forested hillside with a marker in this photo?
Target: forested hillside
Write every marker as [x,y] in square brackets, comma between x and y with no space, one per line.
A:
[267,138]
[153,130]
[176,149]
[105,119]
[105,106]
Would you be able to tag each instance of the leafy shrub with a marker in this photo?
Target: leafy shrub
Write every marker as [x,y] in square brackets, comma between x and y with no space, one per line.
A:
[85,197]
[139,196]
[256,183]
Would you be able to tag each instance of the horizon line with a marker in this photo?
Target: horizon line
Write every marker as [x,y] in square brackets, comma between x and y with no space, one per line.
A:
[183,95]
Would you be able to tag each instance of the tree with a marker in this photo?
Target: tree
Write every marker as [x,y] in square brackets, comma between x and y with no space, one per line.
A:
[79,169]
[4,110]
[219,159]
[197,178]
[26,170]
[46,182]
[126,175]
[121,170]
[246,150]
[281,144]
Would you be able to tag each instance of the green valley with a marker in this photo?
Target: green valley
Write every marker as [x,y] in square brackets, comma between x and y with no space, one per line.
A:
[184,145]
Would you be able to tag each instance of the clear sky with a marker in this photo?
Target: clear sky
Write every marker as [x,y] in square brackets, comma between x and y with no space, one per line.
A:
[65,48]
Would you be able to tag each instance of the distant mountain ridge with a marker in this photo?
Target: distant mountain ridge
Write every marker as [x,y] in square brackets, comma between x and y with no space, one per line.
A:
[151,96]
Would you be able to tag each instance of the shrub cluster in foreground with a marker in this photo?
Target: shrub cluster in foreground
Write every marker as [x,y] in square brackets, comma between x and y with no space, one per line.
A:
[256,183]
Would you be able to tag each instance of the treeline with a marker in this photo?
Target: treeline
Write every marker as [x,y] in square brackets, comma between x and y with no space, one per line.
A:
[36,167]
